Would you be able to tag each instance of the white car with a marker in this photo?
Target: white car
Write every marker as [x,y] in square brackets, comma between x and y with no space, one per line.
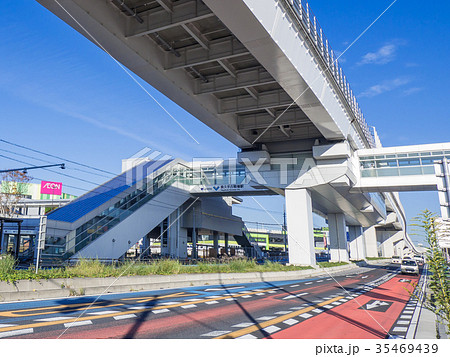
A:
[409,266]
[419,259]
[396,259]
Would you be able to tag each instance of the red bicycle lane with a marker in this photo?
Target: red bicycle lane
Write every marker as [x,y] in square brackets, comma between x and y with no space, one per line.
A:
[356,319]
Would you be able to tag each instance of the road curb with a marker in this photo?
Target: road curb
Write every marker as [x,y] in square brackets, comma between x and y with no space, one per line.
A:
[60,288]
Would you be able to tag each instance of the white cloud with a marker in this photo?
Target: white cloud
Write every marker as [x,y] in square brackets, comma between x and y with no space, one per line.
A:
[384,55]
[412,90]
[384,87]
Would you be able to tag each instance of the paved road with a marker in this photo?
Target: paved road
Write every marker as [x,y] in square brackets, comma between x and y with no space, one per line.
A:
[364,303]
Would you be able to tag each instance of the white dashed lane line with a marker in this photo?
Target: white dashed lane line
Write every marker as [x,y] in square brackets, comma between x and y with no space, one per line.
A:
[215,333]
[3,325]
[16,332]
[305,315]
[160,311]
[49,319]
[282,312]
[211,302]
[246,296]
[266,318]
[77,323]
[294,286]
[124,317]
[308,283]
[188,306]
[102,312]
[244,324]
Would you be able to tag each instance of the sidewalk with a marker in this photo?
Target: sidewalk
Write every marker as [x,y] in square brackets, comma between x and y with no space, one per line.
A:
[426,326]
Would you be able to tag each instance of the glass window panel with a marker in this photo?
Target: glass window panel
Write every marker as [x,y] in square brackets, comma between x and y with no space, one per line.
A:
[405,171]
[379,157]
[387,163]
[368,173]
[402,155]
[428,170]
[427,161]
[387,172]
[368,164]
[409,162]
[425,154]
[437,153]
[413,154]
[391,156]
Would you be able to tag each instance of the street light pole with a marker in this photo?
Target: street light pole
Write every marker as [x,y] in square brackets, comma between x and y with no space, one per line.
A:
[25,169]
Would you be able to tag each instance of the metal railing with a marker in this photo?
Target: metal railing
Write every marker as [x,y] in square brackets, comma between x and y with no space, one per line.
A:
[311,27]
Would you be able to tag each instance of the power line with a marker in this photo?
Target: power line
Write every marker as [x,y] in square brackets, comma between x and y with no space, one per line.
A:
[57,157]
[50,162]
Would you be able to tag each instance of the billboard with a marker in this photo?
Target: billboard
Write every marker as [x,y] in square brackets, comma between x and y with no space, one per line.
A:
[51,188]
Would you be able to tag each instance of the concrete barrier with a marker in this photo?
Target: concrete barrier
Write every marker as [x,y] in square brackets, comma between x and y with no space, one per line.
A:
[57,288]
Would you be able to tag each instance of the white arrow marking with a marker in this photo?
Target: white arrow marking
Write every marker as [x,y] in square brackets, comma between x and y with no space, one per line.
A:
[376,304]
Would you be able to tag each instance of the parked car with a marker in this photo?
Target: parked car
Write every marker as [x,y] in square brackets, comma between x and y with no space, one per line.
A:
[409,266]
[396,259]
[419,259]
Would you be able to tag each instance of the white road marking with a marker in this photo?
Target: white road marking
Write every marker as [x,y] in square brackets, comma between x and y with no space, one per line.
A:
[160,311]
[248,336]
[319,281]
[215,333]
[211,302]
[297,308]
[53,319]
[214,297]
[266,318]
[400,329]
[406,317]
[219,289]
[403,322]
[188,306]
[3,325]
[271,329]
[259,294]
[244,324]
[308,283]
[407,312]
[271,291]
[330,279]
[305,315]
[123,317]
[137,308]
[344,300]
[77,323]
[230,299]
[16,332]
[245,292]
[317,311]
[103,312]
[282,312]
[336,303]
[290,322]
[193,299]
[364,277]
[294,286]
[317,301]
[246,296]
[328,306]
[169,303]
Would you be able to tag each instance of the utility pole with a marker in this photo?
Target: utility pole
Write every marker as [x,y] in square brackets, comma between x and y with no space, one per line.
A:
[284,228]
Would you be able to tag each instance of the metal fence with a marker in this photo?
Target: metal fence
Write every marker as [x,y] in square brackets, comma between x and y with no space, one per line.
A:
[311,27]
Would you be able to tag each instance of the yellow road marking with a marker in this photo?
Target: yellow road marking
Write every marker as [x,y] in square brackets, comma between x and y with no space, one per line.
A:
[68,320]
[152,298]
[277,320]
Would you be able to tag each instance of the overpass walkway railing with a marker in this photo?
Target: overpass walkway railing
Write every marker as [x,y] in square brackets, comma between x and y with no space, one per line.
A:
[308,21]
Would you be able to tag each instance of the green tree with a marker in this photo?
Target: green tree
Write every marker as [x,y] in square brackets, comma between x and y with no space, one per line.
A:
[439,284]
[14,185]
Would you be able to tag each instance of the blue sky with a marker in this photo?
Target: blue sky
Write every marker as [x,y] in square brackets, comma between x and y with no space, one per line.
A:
[61,94]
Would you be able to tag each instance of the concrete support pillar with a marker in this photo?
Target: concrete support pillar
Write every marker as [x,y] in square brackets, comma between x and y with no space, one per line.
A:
[194,236]
[172,239]
[300,229]
[226,244]
[216,241]
[338,238]
[370,238]
[357,246]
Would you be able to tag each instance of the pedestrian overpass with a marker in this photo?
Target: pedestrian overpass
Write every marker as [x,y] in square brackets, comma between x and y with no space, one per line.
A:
[263,75]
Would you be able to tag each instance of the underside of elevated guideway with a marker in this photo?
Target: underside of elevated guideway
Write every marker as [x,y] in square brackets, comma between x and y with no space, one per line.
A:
[219,62]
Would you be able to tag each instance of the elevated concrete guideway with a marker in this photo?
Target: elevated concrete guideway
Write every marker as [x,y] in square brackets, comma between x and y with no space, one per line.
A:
[235,65]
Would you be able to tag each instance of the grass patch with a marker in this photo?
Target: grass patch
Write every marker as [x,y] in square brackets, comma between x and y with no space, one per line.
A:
[95,269]
[376,258]
[331,264]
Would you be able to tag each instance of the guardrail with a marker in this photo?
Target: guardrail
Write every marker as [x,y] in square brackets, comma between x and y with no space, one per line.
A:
[311,27]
